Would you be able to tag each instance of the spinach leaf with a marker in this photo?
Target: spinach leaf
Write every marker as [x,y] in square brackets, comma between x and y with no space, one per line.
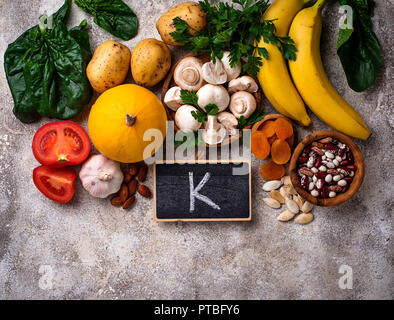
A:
[358,48]
[112,15]
[45,69]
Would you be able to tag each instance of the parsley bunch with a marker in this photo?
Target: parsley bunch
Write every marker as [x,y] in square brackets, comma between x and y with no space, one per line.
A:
[235,30]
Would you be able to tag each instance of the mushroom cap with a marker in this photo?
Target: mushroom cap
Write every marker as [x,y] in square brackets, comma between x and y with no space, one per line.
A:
[232,72]
[243,104]
[215,94]
[173,99]
[229,121]
[185,120]
[188,74]
[245,83]
[214,73]
[214,132]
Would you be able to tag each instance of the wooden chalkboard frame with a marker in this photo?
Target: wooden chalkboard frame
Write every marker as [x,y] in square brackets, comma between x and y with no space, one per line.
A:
[249,162]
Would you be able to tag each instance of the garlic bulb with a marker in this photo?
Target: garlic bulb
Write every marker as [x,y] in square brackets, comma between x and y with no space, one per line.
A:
[101,176]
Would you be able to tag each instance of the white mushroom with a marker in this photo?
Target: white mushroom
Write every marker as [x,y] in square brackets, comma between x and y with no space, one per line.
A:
[243,104]
[232,72]
[173,98]
[214,132]
[188,74]
[101,176]
[185,120]
[229,121]
[214,73]
[213,94]
[244,83]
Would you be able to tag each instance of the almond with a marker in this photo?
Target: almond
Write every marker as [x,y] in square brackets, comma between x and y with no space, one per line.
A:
[133,187]
[129,202]
[144,191]
[127,177]
[116,202]
[133,169]
[142,173]
[124,193]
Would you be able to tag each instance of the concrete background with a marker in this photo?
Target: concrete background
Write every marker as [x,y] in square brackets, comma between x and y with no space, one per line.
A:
[89,250]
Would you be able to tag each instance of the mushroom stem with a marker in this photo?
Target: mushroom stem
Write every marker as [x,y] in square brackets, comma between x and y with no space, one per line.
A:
[130,120]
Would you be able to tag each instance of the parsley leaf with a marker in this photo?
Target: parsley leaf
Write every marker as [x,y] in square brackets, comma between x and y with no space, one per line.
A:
[212,109]
[189,97]
[255,117]
[199,116]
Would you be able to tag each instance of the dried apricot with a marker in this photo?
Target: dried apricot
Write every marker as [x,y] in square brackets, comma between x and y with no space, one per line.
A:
[268,128]
[283,129]
[281,152]
[260,145]
[272,171]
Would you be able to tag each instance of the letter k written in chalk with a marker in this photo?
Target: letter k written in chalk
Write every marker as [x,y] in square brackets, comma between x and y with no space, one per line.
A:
[194,192]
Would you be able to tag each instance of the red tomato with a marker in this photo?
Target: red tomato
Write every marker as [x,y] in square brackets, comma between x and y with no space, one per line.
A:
[60,144]
[56,184]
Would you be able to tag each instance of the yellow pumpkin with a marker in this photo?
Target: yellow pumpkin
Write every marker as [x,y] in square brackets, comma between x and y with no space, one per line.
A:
[119,119]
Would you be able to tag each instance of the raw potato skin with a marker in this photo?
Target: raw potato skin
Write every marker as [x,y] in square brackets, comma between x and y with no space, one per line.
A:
[191,12]
[109,66]
[150,62]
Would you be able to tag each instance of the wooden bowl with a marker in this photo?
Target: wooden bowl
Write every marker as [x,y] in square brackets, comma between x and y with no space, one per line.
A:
[169,83]
[357,179]
[273,117]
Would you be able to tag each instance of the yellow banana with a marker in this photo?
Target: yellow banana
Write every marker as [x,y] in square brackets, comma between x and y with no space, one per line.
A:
[274,75]
[311,80]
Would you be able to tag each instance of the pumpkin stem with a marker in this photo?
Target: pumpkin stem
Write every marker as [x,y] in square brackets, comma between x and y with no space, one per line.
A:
[130,120]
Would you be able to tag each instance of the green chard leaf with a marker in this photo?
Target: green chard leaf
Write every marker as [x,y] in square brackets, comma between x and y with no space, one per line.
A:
[358,47]
[45,70]
[114,16]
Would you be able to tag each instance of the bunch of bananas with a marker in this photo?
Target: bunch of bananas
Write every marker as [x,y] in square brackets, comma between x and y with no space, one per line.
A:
[307,81]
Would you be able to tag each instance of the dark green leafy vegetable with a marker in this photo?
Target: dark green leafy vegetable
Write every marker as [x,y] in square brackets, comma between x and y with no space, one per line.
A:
[235,30]
[45,69]
[112,15]
[358,48]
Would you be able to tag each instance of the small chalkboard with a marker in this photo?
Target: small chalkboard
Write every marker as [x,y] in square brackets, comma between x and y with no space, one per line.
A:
[202,191]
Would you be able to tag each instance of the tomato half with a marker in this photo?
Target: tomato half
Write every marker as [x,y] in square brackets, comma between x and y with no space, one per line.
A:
[56,184]
[60,144]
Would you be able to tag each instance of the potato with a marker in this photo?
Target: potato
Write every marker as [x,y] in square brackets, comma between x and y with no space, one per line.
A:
[150,62]
[109,66]
[191,12]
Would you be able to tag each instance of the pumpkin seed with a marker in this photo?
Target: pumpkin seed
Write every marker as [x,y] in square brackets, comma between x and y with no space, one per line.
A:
[277,196]
[307,207]
[286,181]
[272,185]
[272,203]
[292,206]
[304,218]
[283,192]
[286,216]
[298,199]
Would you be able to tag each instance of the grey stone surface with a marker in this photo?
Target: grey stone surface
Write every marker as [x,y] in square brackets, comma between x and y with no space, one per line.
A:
[89,250]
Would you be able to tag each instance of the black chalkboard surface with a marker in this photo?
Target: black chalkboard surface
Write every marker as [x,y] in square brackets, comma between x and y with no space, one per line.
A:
[202,191]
